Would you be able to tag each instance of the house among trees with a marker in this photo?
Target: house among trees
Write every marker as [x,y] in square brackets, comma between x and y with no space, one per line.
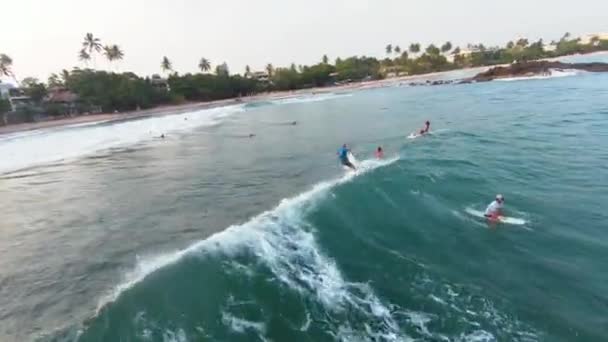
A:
[260,76]
[61,101]
[159,83]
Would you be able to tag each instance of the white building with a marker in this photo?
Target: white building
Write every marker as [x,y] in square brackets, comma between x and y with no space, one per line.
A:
[261,76]
[586,39]
[5,90]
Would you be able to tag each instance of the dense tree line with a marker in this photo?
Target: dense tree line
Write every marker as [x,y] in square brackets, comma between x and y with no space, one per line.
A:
[107,91]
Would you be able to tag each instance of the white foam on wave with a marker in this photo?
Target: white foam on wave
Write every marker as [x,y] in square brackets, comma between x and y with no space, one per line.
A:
[311,98]
[241,325]
[554,74]
[281,240]
[41,147]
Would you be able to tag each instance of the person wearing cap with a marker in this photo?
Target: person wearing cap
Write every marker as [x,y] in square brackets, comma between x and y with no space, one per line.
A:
[495,208]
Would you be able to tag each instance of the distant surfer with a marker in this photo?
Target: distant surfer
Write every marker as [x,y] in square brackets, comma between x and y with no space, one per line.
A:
[162,136]
[251,135]
[494,210]
[426,128]
[343,155]
[379,153]
[294,123]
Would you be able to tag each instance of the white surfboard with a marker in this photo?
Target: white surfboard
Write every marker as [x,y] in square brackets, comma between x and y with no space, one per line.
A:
[501,219]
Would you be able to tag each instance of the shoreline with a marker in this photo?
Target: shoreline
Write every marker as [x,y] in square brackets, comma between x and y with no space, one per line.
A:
[193,106]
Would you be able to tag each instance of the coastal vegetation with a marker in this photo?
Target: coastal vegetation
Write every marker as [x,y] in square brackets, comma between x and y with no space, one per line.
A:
[89,89]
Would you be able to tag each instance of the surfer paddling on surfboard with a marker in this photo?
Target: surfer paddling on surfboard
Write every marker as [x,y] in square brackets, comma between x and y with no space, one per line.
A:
[494,210]
[425,129]
[343,153]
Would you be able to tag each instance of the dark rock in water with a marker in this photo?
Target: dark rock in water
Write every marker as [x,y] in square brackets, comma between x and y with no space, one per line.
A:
[526,69]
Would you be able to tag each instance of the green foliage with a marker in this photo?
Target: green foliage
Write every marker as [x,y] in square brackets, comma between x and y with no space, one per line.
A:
[358,68]
[414,48]
[432,50]
[113,91]
[204,65]
[166,65]
[5,106]
[36,91]
[207,87]
[389,49]
[446,47]
[127,91]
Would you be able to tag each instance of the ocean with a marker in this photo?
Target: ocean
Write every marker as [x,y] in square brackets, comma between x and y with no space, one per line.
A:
[111,233]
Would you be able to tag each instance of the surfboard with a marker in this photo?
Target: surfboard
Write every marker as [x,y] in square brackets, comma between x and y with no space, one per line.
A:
[501,219]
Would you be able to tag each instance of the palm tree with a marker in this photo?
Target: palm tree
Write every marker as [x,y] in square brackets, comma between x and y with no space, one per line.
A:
[83,56]
[325,59]
[165,65]
[91,45]
[293,67]
[65,76]
[389,49]
[247,71]
[414,48]
[270,69]
[432,50]
[54,80]
[204,65]
[118,53]
[6,64]
[566,36]
[523,42]
[446,47]
[113,53]
[397,49]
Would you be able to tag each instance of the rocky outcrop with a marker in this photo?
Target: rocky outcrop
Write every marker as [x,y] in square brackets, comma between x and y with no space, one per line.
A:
[526,69]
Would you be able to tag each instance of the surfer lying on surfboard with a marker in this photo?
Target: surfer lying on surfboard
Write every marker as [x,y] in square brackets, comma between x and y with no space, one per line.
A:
[343,155]
[494,210]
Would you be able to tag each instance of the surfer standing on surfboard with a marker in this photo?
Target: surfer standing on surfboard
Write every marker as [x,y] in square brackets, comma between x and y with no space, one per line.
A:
[343,155]
[494,210]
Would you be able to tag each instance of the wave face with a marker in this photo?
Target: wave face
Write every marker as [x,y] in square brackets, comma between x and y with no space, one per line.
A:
[276,260]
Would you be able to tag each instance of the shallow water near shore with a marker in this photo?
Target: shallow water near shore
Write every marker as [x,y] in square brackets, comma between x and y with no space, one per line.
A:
[111,233]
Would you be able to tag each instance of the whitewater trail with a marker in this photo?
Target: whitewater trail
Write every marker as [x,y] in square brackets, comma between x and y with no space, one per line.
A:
[279,239]
[554,74]
[40,147]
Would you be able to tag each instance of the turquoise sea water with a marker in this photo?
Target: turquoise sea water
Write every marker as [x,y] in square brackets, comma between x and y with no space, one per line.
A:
[111,234]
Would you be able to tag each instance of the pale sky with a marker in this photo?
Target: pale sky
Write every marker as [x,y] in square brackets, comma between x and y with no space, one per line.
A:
[44,36]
